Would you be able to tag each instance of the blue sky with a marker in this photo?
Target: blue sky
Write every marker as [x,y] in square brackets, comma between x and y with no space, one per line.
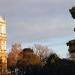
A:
[45,22]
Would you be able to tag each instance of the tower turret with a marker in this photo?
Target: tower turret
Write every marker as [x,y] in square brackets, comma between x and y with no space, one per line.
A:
[3,55]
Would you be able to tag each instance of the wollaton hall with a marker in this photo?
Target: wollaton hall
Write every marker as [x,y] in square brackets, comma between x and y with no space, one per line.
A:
[3,39]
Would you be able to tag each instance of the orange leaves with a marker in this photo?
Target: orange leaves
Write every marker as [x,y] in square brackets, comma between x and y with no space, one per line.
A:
[29,58]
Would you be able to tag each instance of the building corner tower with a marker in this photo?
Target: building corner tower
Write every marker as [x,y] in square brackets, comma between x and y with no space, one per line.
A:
[3,54]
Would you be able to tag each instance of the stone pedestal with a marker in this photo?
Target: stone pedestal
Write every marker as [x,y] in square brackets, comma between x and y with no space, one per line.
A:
[71,49]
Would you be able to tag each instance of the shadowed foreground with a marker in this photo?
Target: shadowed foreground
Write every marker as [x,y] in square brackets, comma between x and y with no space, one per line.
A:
[29,63]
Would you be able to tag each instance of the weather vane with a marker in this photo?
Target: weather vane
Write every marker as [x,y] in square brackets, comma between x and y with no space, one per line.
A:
[72,11]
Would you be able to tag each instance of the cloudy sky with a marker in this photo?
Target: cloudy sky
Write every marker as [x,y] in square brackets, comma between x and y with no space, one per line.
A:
[46,22]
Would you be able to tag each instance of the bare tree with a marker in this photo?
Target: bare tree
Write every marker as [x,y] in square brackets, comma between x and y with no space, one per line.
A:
[42,51]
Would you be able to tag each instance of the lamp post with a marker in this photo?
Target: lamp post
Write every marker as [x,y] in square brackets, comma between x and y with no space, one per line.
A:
[72,11]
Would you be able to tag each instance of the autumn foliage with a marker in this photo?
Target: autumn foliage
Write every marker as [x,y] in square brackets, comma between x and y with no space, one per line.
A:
[28,62]
[27,57]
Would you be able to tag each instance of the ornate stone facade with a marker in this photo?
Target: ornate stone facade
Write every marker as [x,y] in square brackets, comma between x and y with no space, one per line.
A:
[3,54]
